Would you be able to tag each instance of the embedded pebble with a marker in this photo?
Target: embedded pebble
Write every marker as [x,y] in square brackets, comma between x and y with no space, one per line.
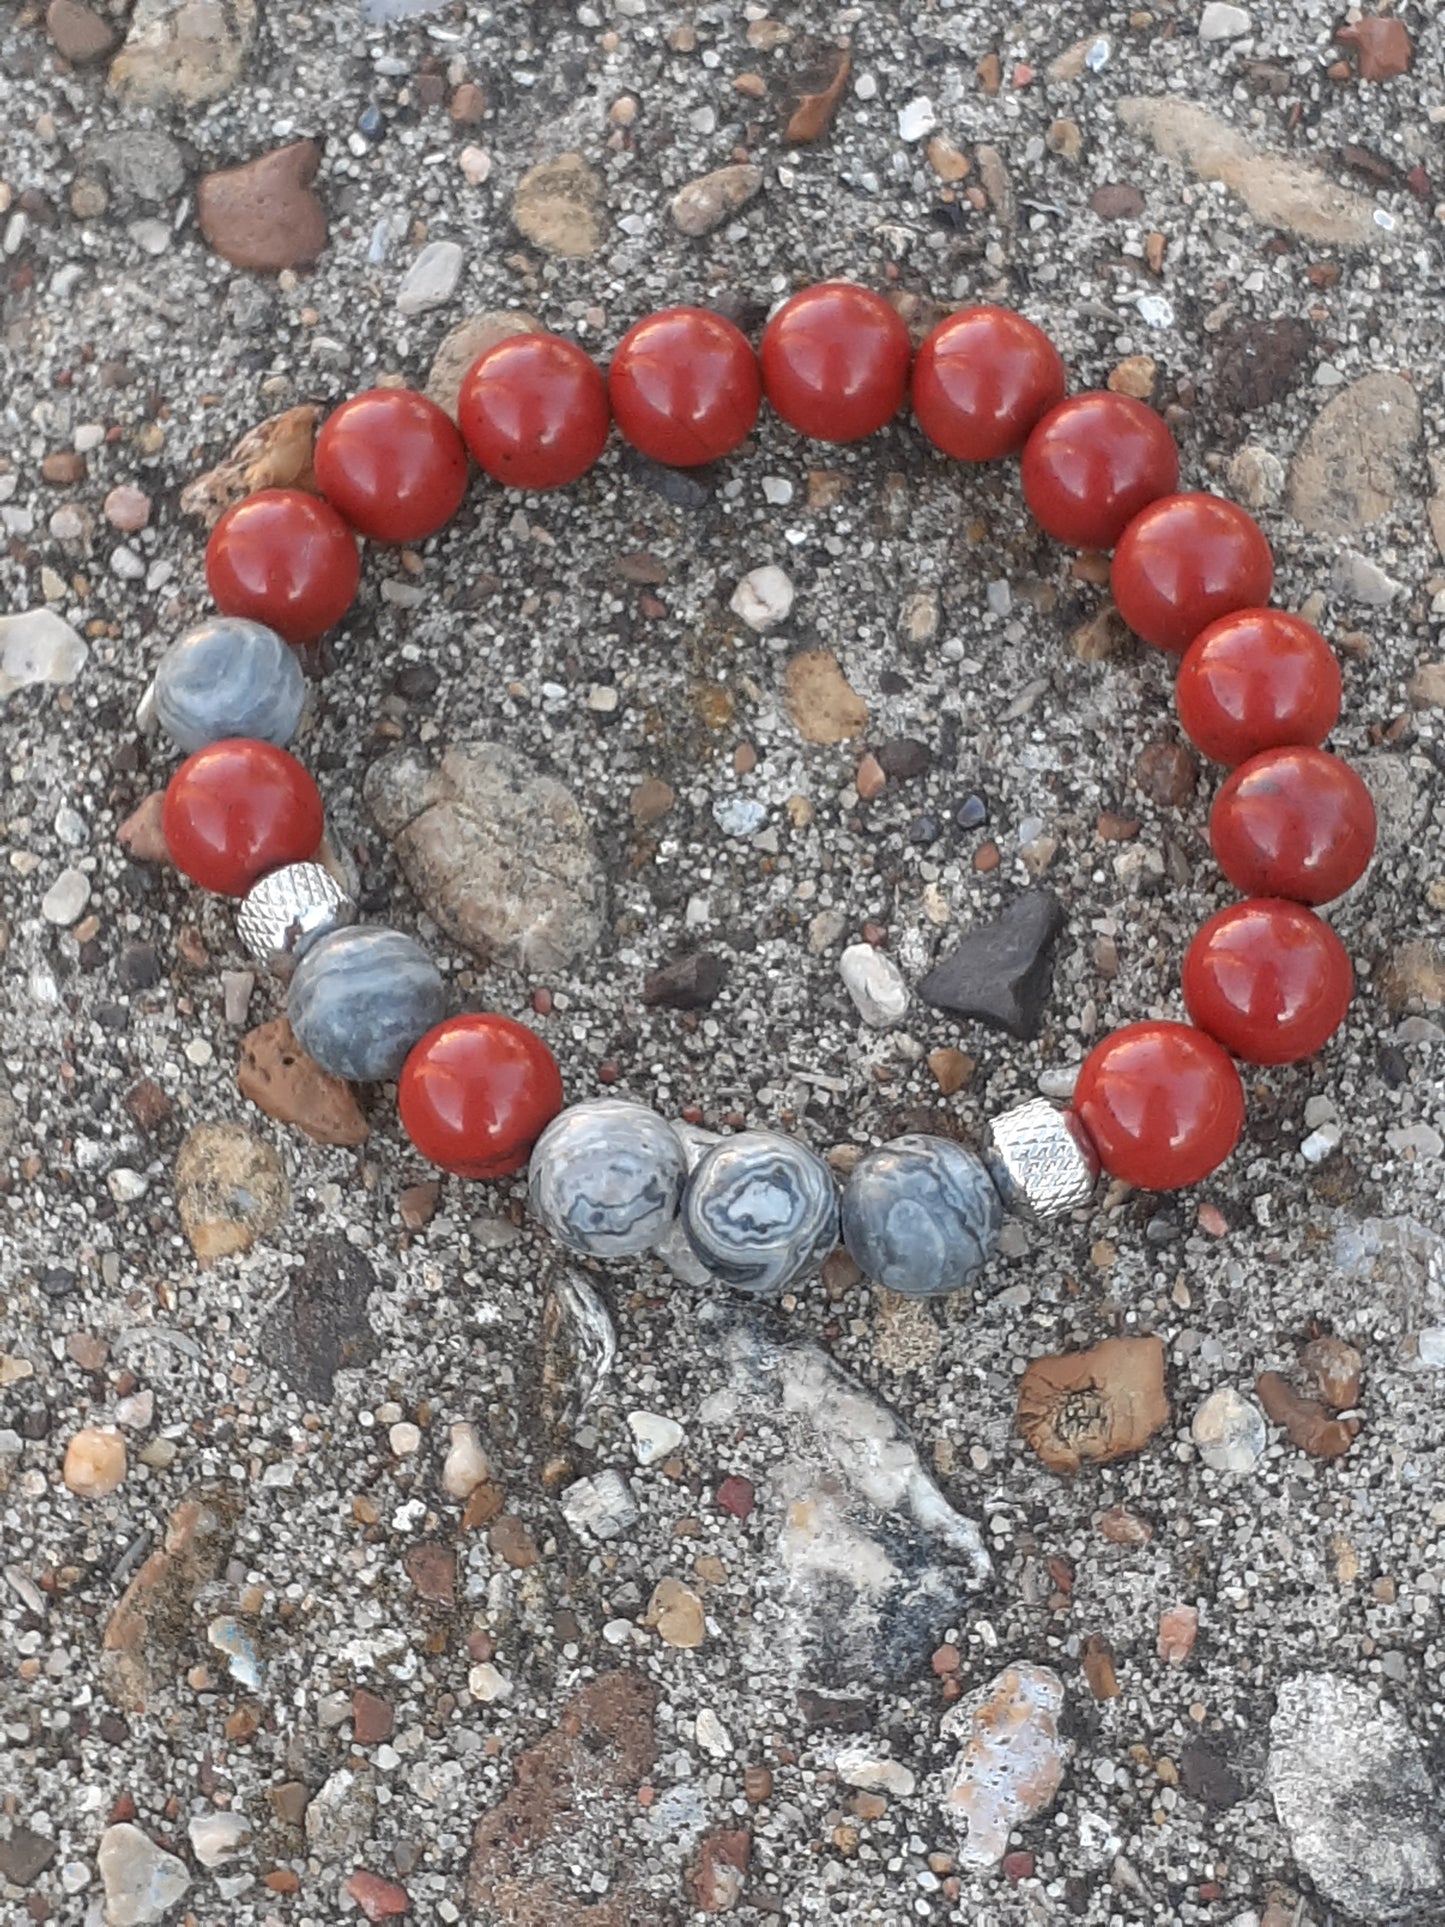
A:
[264,213]
[876,985]
[218,1837]
[763,598]
[95,1463]
[466,1465]
[601,1506]
[1229,1431]
[1012,1762]
[37,647]
[142,1881]
[653,1437]
[705,203]
[432,278]
[1220,21]
[66,898]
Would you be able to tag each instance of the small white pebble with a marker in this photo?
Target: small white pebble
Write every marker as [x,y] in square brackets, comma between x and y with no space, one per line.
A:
[405,1438]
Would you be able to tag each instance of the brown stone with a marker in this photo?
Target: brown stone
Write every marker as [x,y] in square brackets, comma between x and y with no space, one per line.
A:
[1121,1527]
[1110,827]
[372,1719]
[704,204]
[813,115]
[1259,362]
[483,1504]
[78,32]
[1306,1422]
[1178,1630]
[145,1642]
[1117,201]
[281,1080]
[148,1104]
[1135,375]
[275,454]
[512,1542]
[757,1784]
[823,706]
[141,835]
[432,1569]
[1350,467]
[675,1614]
[869,779]
[1413,973]
[1427,685]
[465,344]
[1093,1406]
[577,1785]
[63,468]
[230,1189]
[1330,1369]
[1167,774]
[1383,46]
[951,1068]
[378,1899]
[722,1864]
[264,214]
[289,1802]
[558,206]
[1098,1663]
[417,1204]
[469,104]
[650,801]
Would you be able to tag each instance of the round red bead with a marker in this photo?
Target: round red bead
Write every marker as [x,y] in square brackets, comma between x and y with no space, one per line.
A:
[238,809]
[1092,463]
[1268,980]
[1257,679]
[393,464]
[1183,562]
[477,1092]
[1294,822]
[835,361]
[981,382]
[1162,1103]
[685,386]
[284,558]
[534,411]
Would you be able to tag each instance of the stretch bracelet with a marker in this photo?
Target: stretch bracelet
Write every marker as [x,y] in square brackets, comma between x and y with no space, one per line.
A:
[1157,1105]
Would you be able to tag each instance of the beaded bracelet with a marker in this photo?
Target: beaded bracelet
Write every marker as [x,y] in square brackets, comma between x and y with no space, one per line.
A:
[1157,1105]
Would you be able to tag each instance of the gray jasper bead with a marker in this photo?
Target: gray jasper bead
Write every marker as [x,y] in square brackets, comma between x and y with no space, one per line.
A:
[605,1178]
[229,677]
[760,1210]
[361,998]
[921,1215]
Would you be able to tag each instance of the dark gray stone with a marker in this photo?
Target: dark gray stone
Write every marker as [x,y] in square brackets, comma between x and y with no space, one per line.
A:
[24,1855]
[690,983]
[1208,1777]
[1000,973]
[320,1325]
[902,757]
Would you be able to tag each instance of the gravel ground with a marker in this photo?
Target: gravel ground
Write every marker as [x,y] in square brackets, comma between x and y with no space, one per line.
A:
[533,621]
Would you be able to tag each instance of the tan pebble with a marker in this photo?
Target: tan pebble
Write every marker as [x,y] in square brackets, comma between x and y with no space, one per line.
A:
[127,508]
[800,811]
[823,706]
[675,1614]
[1064,138]
[94,1463]
[704,204]
[276,453]
[141,836]
[469,104]
[1136,375]
[558,206]
[869,780]
[757,1784]
[682,39]
[466,343]
[753,86]
[948,162]
[1178,1630]
[417,1204]
[1155,249]
[466,1464]
[623,112]
[951,1069]
[990,73]
[230,1189]
[651,801]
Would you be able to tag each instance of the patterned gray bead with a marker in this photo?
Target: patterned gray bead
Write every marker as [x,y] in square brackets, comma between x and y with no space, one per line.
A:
[229,677]
[761,1211]
[284,914]
[1041,1160]
[921,1215]
[361,998]
[606,1177]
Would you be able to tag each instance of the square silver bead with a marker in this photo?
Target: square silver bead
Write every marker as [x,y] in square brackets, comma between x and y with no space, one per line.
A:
[1040,1160]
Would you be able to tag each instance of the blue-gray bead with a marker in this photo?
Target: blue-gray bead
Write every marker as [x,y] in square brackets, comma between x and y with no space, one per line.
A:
[760,1210]
[605,1178]
[361,998]
[921,1215]
[229,677]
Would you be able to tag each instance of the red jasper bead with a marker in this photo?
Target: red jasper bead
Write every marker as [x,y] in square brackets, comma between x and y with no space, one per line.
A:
[1257,679]
[534,411]
[835,361]
[1162,1103]
[981,382]
[1185,561]
[1092,463]
[1293,822]
[477,1092]
[238,809]
[284,558]
[685,386]
[393,464]
[1268,980]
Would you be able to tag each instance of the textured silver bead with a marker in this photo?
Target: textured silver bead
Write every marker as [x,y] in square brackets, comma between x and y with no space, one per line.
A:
[1040,1160]
[284,914]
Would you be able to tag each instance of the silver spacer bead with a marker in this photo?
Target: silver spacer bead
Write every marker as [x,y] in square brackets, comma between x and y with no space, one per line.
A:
[284,914]
[1040,1160]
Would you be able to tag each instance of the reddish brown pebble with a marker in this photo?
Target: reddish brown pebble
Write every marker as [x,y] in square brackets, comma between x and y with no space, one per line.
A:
[542,1003]
[1331,1370]
[469,104]
[78,32]
[242,1726]
[651,801]
[283,1881]
[378,1899]
[512,1542]
[371,1718]
[735,1495]
[1124,1528]
[1306,1422]
[1383,45]
[986,857]
[264,214]
[870,780]
[1213,1221]
[432,1569]
[141,835]
[1115,829]
[945,1661]
[811,117]
[1018,1866]
[148,1104]
[1178,1630]
[868,1806]
[722,1861]
[608,1073]
[1098,1663]
[480,1646]
[417,1204]
[280,1079]
[482,1506]
[62,468]
[1167,774]
[951,1068]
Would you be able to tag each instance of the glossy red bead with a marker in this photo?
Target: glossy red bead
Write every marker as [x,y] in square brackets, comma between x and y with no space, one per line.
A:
[534,411]
[1093,463]
[237,809]
[1163,1104]
[393,464]
[284,558]
[1295,823]
[685,386]
[835,361]
[1257,679]
[1268,980]
[982,381]
[1185,561]
[477,1092]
